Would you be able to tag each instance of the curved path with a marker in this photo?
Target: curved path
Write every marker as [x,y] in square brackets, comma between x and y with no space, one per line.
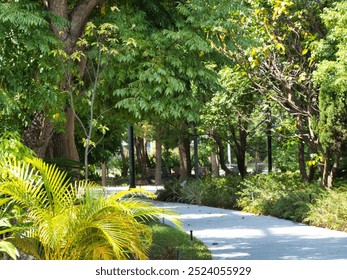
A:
[237,235]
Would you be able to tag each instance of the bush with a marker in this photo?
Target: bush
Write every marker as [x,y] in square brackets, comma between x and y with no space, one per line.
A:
[330,210]
[209,191]
[282,195]
[171,191]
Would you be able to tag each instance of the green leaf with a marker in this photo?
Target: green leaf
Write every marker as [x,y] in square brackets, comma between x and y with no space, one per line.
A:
[9,249]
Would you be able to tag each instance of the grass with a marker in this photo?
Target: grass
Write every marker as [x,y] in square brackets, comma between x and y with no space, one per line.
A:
[171,244]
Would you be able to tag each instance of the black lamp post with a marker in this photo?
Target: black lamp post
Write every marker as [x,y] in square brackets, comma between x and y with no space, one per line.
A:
[131,156]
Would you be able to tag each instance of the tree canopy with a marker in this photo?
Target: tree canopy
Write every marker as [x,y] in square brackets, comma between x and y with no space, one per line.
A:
[74,73]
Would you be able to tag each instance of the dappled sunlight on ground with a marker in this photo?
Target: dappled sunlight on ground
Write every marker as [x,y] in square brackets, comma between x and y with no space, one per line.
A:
[231,234]
[237,235]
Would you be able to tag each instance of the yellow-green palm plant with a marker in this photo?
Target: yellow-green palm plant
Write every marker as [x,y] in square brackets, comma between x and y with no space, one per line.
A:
[64,226]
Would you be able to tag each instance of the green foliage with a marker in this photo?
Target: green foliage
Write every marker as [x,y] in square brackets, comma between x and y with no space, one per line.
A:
[210,191]
[28,73]
[69,221]
[8,212]
[172,244]
[282,195]
[171,191]
[330,210]
[220,191]
[12,146]
[330,77]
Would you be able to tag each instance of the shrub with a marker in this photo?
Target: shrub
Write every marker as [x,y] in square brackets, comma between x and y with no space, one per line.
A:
[282,195]
[209,191]
[221,191]
[192,192]
[171,191]
[330,210]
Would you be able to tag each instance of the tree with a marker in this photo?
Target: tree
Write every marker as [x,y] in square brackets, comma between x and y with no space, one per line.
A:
[331,83]
[272,42]
[230,115]
[29,75]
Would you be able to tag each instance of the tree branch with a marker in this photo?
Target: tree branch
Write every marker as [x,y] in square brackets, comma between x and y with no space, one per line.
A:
[78,18]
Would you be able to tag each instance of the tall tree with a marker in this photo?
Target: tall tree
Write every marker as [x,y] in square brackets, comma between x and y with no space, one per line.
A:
[330,78]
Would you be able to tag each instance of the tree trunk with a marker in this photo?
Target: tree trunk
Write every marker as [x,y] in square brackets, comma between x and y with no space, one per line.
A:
[214,165]
[301,161]
[221,152]
[141,155]
[38,135]
[240,146]
[103,174]
[124,170]
[185,161]
[64,145]
[158,162]
[333,170]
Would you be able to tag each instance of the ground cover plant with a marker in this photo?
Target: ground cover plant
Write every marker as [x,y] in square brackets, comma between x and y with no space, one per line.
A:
[171,244]
[282,195]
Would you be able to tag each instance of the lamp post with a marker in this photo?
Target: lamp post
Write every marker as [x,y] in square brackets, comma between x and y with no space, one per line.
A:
[196,155]
[131,156]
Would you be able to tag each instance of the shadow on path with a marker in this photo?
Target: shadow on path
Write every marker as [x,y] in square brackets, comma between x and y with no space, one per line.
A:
[231,234]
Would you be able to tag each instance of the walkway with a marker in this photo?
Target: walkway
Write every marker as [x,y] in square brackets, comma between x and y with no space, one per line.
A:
[237,235]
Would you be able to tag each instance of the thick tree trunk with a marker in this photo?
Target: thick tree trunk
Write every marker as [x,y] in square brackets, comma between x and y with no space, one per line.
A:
[185,161]
[38,135]
[158,162]
[64,145]
[306,176]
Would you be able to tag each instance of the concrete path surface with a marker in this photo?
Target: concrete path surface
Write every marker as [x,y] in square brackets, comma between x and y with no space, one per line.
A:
[235,235]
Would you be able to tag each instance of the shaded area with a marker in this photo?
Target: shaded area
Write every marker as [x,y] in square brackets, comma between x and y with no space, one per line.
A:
[236,235]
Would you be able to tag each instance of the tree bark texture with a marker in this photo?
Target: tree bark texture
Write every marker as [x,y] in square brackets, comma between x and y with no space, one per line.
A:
[185,161]
[239,148]
[141,155]
[124,171]
[302,161]
[158,162]
[63,144]
[214,165]
[38,134]
[103,174]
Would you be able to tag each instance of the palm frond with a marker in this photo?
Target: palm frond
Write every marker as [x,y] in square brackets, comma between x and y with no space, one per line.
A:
[56,184]
[97,227]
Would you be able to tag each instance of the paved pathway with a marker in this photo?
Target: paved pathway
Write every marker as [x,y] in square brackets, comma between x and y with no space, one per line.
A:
[231,234]
[237,235]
